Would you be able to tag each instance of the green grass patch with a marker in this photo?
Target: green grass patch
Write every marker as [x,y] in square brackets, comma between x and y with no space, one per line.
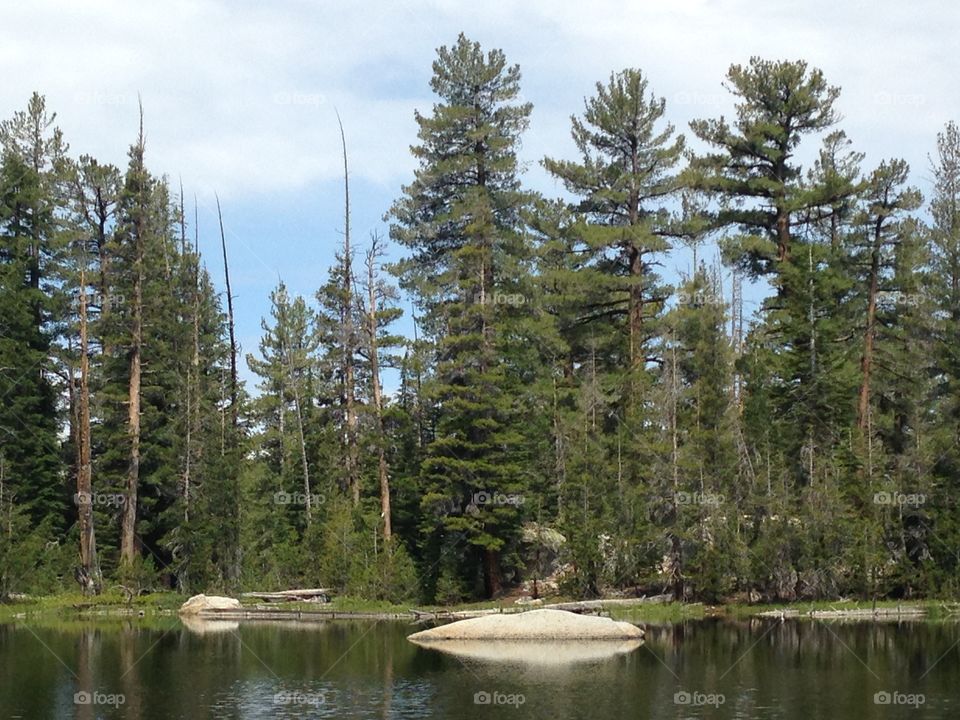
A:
[932,607]
[75,603]
[658,612]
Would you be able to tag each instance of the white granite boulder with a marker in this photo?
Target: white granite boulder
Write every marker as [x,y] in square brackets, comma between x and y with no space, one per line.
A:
[532,625]
[198,603]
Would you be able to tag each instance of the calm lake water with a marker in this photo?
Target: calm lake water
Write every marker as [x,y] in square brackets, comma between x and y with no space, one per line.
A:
[153,670]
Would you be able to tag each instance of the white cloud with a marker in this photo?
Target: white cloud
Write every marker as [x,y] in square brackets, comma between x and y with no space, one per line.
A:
[239,96]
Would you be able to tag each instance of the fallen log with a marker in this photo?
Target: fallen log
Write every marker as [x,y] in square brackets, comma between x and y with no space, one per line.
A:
[906,611]
[267,613]
[459,614]
[305,595]
[580,607]
[600,604]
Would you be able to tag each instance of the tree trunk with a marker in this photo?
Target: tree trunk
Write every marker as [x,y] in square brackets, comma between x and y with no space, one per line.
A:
[89,568]
[129,519]
[866,361]
[372,329]
[303,451]
[193,376]
[491,572]
[349,391]
[637,356]
[783,236]
[636,270]
[230,324]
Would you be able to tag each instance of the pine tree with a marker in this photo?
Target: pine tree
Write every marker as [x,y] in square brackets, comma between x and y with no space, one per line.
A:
[33,504]
[620,229]
[766,199]
[623,182]
[95,191]
[461,219]
[943,299]
[887,200]
[706,489]
[779,104]
[379,310]
[31,262]
[288,388]
[945,280]
[29,407]
[148,347]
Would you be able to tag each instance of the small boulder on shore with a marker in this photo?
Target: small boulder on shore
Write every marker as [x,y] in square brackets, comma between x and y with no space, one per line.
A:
[532,625]
[201,602]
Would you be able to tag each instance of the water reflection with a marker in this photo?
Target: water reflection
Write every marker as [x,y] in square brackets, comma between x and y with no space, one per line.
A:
[765,670]
[531,652]
[202,626]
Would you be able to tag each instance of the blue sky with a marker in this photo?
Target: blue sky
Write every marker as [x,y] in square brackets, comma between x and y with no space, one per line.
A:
[239,96]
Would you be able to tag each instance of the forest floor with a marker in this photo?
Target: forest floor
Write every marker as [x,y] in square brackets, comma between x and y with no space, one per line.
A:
[111,604]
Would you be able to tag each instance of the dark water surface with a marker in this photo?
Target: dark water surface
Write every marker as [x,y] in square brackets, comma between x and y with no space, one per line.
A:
[153,670]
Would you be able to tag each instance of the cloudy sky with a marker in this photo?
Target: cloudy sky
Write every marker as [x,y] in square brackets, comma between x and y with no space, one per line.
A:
[239,96]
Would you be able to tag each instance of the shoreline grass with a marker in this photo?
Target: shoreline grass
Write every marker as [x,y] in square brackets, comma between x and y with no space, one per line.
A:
[114,604]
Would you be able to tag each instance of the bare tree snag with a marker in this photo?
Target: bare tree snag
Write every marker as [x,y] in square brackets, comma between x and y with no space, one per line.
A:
[129,517]
[234,409]
[349,390]
[383,470]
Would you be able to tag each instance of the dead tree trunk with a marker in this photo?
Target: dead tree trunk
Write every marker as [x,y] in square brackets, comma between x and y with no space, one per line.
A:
[96,212]
[129,519]
[303,450]
[349,391]
[230,324]
[193,372]
[866,360]
[89,568]
[376,390]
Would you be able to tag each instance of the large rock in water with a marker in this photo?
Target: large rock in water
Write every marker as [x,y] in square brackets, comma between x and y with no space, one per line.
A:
[201,602]
[532,625]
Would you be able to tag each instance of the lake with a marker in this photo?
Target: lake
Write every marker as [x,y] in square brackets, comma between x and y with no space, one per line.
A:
[153,669]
